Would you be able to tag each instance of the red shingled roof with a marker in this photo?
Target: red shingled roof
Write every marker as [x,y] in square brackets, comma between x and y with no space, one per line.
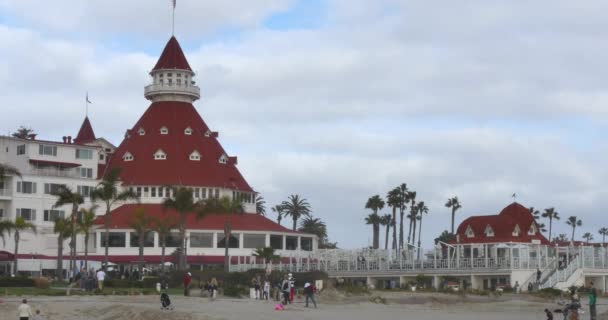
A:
[177,169]
[172,57]
[121,217]
[85,134]
[503,226]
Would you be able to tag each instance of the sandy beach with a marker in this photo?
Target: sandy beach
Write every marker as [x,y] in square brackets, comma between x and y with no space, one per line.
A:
[398,305]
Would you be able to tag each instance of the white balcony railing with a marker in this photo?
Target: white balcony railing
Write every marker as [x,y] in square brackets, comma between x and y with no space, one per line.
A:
[158,89]
[5,193]
[66,173]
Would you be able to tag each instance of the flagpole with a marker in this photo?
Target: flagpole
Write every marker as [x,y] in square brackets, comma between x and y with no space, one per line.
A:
[173,21]
[86,104]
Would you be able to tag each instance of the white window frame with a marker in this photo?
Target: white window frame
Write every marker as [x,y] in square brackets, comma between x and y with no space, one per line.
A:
[81,152]
[188,131]
[489,232]
[43,148]
[532,231]
[516,231]
[141,131]
[20,187]
[195,156]
[86,172]
[32,213]
[164,130]
[223,159]
[160,155]
[48,213]
[208,134]
[127,157]
[469,232]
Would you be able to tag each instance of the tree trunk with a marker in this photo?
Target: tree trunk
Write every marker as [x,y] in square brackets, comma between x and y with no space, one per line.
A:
[73,240]
[106,235]
[409,233]
[376,228]
[401,228]
[182,236]
[141,251]
[550,227]
[86,251]
[162,254]
[226,245]
[295,223]
[453,216]
[394,223]
[388,228]
[572,239]
[419,231]
[59,268]
[414,232]
[15,270]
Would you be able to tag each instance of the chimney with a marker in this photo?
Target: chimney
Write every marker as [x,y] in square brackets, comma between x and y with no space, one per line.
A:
[32,136]
[65,139]
[70,139]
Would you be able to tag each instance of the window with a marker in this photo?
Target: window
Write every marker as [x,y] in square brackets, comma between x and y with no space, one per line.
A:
[51,188]
[254,241]
[146,190]
[276,241]
[489,232]
[217,193]
[169,74]
[20,149]
[153,192]
[27,214]
[101,156]
[532,230]
[179,82]
[160,155]
[161,75]
[141,131]
[115,240]
[223,159]
[516,231]
[173,240]
[86,172]
[208,133]
[2,213]
[291,243]
[188,131]
[138,191]
[148,239]
[47,150]
[160,192]
[306,243]
[195,156]
[52,215]
[233,243]
[201,240]
[164,130]
[170,82]
[127,157]
[179,75]
[26,187]
[197,193]
[84,154]
[469,233]
[84,191]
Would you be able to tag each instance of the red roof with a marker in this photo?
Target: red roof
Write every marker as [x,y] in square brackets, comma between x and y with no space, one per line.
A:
[121,217]
[172,57]
[54,163]
[177,168]
[502,225]
[85,134]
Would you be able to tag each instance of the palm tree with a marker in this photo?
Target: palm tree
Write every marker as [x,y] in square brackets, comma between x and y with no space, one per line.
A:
[403,199]
[163,228]
[260,205]
[278,209]
[266,253]
[385,220]
[62,228]
[227,207]
[588,236]
[455,205]
[141,224]
[86,222]
[550,214]
[393,200]
[574,222]
[422,209]
[183,203]
[23,132]
[6,170]
[5,227]
[314,226]
[18,226]
[65,196]
[562,237]
[603,232]
[107,191]
[375,203]
[374,220]
[296,207]
[413,216]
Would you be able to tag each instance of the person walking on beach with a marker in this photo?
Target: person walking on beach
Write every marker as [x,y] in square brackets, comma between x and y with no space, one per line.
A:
[266,289]
[285,289]
[187,280]
[101,276]
[309,292]
[538,275]
[213,288]
[38,316]
[592,302]
[292,287]
[24,311]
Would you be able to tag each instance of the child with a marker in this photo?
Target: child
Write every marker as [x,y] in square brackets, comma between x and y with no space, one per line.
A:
[38,316]
[266,289]
[549,314]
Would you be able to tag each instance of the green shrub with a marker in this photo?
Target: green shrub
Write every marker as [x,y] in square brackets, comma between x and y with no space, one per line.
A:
[149,282]
[549,293]
[10,282]
[234,291]
[121,283]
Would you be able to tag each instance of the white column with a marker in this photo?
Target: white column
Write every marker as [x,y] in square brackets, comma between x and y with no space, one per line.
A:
[485,248]
[214,239]
[267,241]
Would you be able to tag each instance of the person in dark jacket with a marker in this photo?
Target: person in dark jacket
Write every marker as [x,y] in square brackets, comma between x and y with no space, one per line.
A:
[187,280]
[309,292]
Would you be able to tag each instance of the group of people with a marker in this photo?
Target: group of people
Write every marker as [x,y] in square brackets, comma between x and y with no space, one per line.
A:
[288,288]
[571,309]
[210,286]
[24,312]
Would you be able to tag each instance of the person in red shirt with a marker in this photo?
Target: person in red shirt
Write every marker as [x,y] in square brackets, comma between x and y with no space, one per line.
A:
[187,280]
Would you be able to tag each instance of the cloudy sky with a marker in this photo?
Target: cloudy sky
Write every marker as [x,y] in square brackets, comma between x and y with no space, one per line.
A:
[339,100]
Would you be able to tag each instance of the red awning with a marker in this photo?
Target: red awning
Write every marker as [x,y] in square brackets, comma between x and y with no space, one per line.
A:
[54,163]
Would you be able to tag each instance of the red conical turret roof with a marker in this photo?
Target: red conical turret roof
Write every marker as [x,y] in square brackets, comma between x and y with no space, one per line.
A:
[172,57]
[85,134]
[146,138]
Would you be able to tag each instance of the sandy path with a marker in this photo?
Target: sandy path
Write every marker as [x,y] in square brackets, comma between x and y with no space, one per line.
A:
[148,308]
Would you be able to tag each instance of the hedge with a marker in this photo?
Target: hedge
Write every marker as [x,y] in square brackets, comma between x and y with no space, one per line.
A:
[10,282]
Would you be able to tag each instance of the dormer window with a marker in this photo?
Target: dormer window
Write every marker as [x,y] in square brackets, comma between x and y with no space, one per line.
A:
[164,130]
[469,233]
[127,157]
[141,131]
[532,230]
[208,134]
[195,156]
[516,231]
[223,159]
[188,131]
[160,155]
[489,232]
